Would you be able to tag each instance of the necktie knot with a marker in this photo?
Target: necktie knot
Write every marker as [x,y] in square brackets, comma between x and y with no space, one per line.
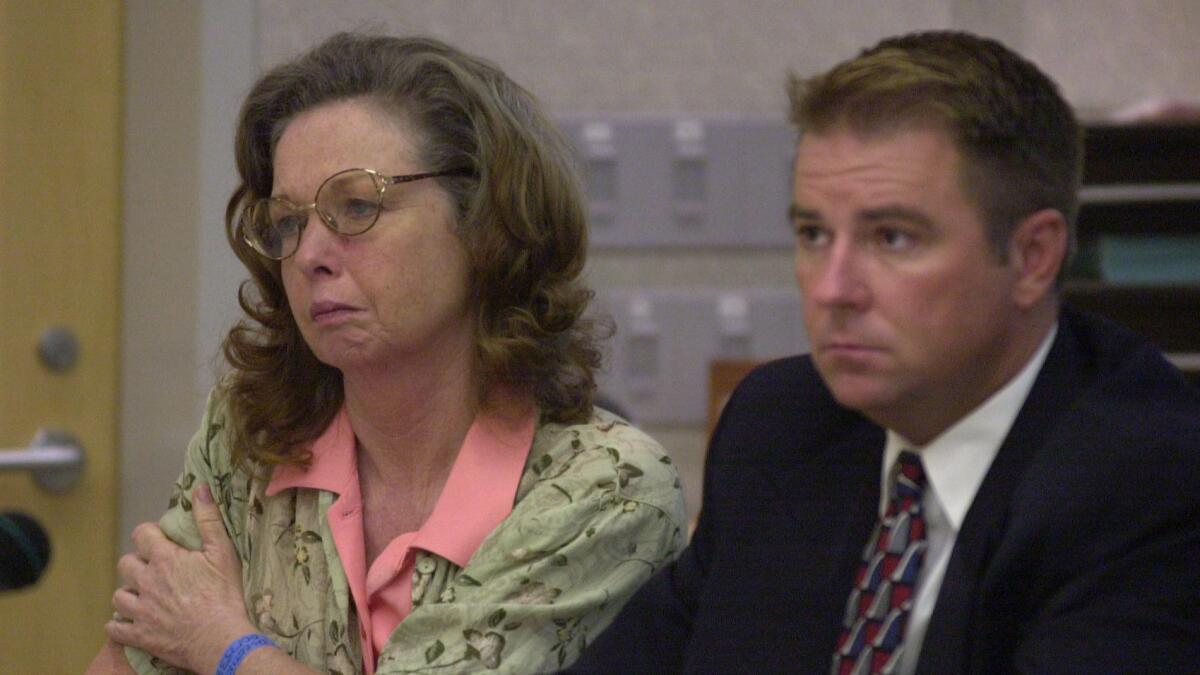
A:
[909,482]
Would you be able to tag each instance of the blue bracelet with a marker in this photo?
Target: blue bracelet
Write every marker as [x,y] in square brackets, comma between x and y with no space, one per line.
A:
[236,652]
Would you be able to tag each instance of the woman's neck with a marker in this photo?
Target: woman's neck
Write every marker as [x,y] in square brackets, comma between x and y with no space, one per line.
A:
[410,418]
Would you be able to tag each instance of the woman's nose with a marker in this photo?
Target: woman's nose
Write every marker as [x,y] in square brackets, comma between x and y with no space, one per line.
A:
[318,250]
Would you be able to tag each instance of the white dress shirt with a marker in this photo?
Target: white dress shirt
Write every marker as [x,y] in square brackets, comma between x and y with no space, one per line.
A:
[955,463]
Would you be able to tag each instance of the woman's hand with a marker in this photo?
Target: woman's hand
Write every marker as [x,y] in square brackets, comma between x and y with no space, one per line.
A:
[183,606]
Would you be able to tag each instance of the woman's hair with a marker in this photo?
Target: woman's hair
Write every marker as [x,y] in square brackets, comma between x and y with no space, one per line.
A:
[520,215]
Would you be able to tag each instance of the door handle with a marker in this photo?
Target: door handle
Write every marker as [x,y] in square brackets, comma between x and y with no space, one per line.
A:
[54,457]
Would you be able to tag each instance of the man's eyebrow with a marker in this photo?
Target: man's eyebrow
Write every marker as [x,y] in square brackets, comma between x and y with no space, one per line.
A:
[903,213]
[796,212]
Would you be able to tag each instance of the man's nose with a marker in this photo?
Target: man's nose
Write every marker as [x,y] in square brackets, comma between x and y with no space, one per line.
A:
[840,281]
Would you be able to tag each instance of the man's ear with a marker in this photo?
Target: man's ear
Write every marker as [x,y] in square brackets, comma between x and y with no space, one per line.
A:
[1036,252]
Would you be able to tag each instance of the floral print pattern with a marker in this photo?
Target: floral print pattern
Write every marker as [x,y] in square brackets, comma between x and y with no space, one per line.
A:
[597,511]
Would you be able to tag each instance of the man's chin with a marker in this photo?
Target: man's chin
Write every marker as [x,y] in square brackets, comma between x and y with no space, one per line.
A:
[859,391]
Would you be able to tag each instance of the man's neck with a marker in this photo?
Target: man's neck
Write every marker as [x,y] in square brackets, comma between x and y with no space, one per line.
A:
[921,422]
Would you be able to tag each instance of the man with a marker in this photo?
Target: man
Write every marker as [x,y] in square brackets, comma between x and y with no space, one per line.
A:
[1026,478]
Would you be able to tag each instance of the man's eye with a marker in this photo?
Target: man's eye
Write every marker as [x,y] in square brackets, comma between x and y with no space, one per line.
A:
[894,239]
[811,235]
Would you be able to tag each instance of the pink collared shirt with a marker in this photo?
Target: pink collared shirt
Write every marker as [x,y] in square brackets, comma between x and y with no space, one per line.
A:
[477,496]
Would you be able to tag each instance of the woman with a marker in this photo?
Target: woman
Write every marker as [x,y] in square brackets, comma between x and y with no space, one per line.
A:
[405,458]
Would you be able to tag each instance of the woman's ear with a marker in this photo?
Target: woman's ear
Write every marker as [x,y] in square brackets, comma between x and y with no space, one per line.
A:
[1037,251]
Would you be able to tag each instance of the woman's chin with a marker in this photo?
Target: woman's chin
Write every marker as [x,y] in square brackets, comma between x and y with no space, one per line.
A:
[349,357]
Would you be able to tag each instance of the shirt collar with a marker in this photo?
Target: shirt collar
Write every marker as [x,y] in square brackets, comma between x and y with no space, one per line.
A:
[482,486]
[479,492]
[957,460]
[333,464]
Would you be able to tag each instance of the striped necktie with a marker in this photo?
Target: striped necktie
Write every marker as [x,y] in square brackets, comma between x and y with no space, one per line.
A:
[878,608]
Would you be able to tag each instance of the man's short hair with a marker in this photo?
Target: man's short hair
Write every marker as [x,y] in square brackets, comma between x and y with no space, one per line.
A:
[1021,145]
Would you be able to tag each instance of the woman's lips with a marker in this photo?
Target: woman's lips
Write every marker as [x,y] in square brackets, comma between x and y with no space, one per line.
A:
[325,313]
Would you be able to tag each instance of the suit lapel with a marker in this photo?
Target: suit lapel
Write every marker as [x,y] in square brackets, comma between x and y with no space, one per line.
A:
[953,627]
[830,493]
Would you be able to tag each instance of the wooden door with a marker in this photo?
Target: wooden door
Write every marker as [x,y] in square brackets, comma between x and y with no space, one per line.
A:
[60,92]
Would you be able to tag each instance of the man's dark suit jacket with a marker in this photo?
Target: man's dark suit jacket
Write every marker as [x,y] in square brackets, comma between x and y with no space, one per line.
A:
[1079,554]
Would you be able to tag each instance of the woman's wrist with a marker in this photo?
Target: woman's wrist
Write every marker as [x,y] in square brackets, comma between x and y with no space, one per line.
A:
[239,649]
[209,649]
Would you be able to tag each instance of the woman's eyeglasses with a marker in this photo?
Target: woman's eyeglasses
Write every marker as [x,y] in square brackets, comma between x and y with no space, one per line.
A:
[348,202]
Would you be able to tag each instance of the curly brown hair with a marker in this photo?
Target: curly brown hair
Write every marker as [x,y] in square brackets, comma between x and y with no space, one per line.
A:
[1021,142]
[520,215]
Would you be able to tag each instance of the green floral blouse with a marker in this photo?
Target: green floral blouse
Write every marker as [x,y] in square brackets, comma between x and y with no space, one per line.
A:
[597,511]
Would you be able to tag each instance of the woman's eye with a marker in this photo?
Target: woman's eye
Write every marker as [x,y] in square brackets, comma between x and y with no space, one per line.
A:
[289,225]
[359,208]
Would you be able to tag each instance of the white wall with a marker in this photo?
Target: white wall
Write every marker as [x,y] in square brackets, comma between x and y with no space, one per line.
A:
[189,64]
[161,182]
[187,67]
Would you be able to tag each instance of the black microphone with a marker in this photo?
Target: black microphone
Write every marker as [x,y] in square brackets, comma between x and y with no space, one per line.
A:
[24,550]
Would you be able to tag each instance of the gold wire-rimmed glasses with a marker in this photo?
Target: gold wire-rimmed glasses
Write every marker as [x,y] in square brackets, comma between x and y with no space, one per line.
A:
[348,203]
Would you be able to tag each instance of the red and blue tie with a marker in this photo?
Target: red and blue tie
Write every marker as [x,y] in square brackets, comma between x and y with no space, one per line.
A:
[879,606]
